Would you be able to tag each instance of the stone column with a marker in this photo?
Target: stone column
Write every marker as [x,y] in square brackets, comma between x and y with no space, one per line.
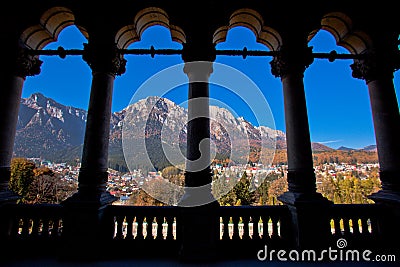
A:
[93,175]
[377,71]
[198,174]
[378,75]
[303,200]
[198,223]
[85,210]
[20,65]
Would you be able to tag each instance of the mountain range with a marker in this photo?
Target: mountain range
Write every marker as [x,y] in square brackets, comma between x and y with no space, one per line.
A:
[53,131]
[367,148]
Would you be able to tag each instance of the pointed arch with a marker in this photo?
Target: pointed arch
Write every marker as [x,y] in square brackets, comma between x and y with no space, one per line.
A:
[252,20]
[144,19]
[52,22]
[341,28]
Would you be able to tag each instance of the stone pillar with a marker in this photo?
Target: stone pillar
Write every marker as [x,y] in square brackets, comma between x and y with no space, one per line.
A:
[199,223]
[305,203]
[378,75]
[93,175]
[84,223]
[198,173]
[377,71]
[20,65]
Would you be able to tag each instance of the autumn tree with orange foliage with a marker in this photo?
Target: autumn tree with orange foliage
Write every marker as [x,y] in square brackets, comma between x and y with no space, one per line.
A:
[38,185]
[277,188]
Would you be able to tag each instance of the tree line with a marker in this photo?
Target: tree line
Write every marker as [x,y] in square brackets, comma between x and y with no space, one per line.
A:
[42,185]
[333,156]
[36,184]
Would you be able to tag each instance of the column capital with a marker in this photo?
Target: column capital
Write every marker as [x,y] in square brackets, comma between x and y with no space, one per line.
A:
[108,60]
[198,71]
[291,60]
[375,65]
[26,64]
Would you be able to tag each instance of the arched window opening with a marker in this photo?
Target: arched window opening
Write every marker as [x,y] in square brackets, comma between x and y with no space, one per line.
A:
[146,104]
[263,180]
[341,128]
[52,119]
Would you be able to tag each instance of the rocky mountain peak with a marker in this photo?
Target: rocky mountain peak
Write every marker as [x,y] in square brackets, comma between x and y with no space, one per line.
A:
[46,126]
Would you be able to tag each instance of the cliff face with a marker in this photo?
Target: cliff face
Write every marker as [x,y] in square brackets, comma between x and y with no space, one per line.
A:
[55,132]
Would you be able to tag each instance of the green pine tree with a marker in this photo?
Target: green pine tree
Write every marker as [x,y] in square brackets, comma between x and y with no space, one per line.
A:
[22,175]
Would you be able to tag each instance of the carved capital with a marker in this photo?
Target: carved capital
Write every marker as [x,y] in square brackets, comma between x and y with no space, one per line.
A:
[26,64]
[375,66]
[198,71]
[109,61]
[291,61]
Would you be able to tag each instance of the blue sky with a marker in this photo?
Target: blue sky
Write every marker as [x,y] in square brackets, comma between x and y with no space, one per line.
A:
[338,105]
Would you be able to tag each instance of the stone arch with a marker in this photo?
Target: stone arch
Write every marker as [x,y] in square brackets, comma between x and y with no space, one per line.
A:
[341,27]
[52,22]
[252,20]
[144,19]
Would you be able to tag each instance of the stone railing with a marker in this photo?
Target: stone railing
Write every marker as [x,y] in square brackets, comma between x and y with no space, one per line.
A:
[246,229]
[153,231]
[143,223]
[31,230]
[358,224]
[144,231]
[33,222]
